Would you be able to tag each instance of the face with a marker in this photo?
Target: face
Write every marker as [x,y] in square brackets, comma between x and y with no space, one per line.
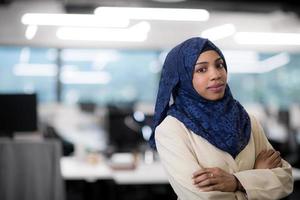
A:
[210,76]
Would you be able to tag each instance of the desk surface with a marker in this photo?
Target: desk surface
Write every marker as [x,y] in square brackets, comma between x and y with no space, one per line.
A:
[74,169]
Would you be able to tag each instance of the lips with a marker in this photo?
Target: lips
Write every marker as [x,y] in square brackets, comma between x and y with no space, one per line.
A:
[216,88]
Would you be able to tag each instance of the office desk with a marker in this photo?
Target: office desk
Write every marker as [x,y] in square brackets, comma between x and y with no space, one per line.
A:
[99,181]
[143,174]
[75,169]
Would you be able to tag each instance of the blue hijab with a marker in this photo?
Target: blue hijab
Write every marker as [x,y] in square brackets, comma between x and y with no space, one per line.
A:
[223,123]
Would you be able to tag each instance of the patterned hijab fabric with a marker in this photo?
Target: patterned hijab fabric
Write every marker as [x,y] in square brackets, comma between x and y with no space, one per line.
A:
[223,123]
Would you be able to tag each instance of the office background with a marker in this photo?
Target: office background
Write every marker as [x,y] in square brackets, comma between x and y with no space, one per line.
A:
[81,79]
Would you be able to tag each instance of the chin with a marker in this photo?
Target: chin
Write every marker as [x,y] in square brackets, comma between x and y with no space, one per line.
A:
[216,97]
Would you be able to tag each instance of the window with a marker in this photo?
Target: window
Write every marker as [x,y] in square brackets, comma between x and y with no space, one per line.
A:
[29,70]
[109,76]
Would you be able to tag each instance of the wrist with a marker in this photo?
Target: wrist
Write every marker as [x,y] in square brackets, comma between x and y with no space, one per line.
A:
[236,183]
[239,186]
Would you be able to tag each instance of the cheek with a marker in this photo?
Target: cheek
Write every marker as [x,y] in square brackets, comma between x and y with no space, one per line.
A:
[199,83]
[224,75]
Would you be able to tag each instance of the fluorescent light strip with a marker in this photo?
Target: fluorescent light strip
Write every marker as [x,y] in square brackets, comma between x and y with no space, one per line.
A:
[31,32]
[26,69]
[102,56]
[77,20]
[136,33]
[274,62]
[248,62]
[85,77]
[219,32]
[256,38]
[168,14]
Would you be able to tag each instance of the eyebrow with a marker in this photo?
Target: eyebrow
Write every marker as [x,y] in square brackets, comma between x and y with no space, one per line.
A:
[198,63]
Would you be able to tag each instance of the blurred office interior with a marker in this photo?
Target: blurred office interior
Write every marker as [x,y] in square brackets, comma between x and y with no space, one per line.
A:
[79,80]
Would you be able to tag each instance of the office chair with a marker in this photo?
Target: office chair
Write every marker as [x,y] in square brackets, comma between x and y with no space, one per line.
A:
[30,170]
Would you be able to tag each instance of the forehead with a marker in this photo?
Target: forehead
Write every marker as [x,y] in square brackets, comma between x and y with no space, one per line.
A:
[208,55]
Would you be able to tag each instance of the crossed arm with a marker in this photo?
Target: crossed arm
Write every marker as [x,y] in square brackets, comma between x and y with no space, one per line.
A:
[216,179]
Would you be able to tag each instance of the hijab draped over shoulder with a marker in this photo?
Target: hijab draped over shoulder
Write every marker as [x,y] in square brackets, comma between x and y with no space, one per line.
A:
[223,123]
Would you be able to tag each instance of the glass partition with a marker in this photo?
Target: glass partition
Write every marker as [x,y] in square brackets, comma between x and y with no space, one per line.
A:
[29,70]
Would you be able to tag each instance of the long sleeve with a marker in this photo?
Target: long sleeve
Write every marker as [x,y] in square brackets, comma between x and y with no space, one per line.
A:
[265,184]
[180,162]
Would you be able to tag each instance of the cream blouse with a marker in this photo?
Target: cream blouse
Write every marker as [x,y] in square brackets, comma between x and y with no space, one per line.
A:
[182,152]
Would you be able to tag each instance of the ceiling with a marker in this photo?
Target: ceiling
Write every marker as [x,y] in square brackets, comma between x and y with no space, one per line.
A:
[256,16]
[216,5]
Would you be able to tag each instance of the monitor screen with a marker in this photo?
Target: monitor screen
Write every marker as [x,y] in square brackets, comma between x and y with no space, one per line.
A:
[18,113]
[88,107]
[124,133]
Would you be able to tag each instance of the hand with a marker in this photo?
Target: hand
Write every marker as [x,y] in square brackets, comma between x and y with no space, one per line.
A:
[268,159]
[214,179]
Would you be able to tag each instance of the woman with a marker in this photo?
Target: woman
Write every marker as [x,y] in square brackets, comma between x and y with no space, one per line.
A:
[209,145]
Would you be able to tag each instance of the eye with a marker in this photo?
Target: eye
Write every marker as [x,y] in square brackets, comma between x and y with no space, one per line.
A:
[201,69]
[220,65]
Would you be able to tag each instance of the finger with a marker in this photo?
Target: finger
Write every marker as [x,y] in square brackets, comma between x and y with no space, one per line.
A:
[270,152]
[202,177]
[207,175]
[208,188]
[263,151]
[273,161]
[199,172]
[273,165]
[277,163]
[207,182]
[264,154]
[274,156]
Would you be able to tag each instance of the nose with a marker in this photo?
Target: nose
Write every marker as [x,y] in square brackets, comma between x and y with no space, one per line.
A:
[215,74]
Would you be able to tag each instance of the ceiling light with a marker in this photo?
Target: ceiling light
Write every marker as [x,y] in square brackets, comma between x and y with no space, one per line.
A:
[248,62]
[168,14]
[31,31]
[96,56]
[256,38]
[219,32]
[85,77]
[274,62]
[27,69]
[136,33]
[82,20]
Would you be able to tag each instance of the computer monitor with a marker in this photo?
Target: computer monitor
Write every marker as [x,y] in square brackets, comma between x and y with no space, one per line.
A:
[124,133]
[18,113]
[87,106]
